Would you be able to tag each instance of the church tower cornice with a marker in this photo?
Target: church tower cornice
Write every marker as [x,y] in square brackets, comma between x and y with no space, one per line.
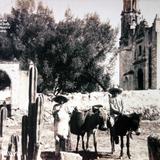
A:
[130,6]
[129,20]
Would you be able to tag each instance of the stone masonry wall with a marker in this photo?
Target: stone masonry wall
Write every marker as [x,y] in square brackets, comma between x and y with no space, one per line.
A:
[19,84]
[158,52]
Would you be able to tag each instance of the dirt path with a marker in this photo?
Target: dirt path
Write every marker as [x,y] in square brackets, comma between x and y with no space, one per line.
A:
[138,146]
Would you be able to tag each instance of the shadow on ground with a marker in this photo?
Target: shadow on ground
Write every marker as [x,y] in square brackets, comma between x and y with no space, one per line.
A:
[87,155]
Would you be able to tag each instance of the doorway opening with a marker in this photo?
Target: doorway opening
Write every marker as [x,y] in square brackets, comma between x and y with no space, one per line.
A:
[140,80]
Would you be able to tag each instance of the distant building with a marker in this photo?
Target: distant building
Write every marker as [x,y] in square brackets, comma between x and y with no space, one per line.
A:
[139,50]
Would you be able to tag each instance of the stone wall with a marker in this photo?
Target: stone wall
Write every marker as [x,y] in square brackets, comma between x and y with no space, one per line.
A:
[126,57]
[131,59]
[137,43]
[158,51]
[24,86]
[19,84]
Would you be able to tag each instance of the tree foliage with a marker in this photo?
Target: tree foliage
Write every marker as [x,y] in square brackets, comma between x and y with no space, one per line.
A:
[68,54]
[5,48]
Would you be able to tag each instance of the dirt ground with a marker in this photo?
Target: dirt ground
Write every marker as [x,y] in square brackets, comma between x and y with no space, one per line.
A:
[138,146]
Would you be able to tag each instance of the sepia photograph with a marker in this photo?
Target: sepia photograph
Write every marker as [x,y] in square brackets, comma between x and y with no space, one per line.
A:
[79,79]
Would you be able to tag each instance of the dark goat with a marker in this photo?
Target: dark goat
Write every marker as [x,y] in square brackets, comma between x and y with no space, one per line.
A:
[88,121]
[124,125]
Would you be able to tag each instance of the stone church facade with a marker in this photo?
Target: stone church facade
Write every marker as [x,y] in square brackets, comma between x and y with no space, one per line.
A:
[139,50]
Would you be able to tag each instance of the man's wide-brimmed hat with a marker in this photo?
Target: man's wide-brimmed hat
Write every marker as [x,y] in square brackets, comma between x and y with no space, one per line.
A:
[60,99]
[115,89]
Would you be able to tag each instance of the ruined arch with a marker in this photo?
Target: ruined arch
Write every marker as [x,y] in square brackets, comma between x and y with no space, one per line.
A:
[11,70]
[18,83]
[126,80]
[140,79]
[5,92]
[5,80]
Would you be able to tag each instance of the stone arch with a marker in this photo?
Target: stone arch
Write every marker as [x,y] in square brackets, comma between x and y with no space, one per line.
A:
[13,72]
[19,85]
[5,91]
[126,80]
[5,80]
[140,79]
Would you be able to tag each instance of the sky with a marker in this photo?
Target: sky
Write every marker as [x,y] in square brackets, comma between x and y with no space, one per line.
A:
[106,9]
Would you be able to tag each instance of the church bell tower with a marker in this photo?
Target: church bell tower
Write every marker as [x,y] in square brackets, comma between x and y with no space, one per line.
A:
[129,20]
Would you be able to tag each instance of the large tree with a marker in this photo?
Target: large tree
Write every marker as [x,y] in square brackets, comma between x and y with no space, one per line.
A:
[83,44]
[5,47]
[69,53]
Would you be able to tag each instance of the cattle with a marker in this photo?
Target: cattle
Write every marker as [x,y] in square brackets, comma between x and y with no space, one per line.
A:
[124,125]
[88,121]
[70,119]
